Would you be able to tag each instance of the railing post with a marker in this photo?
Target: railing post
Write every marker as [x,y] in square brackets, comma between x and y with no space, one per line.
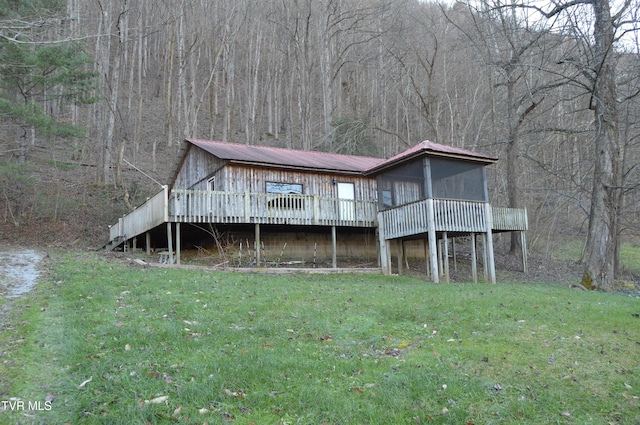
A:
[165,189]
[247,206]
[316,209]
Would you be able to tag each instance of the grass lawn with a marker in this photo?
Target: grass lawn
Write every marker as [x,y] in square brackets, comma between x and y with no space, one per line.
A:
[103,342]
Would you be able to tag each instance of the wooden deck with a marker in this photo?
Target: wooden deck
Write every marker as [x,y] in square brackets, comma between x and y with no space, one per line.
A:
[450,216]
[189,206]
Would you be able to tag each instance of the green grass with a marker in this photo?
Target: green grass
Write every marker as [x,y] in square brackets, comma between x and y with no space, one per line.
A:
[630,257]
[572,249]
[234,348]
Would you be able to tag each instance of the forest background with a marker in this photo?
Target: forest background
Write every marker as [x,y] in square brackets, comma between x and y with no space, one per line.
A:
[96,97]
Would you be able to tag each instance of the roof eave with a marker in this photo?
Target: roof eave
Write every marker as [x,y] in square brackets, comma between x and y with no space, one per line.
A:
[297,168]
[385,166]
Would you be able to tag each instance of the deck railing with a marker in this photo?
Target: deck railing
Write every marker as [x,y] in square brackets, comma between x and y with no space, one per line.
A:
[191,206]
[147,216]
[510,219]
[449,216]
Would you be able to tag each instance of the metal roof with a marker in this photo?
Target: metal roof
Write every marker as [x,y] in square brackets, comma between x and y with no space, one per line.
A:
[432,149]
[289,158]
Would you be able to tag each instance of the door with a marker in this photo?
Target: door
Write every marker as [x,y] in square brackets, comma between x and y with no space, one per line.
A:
[346,201]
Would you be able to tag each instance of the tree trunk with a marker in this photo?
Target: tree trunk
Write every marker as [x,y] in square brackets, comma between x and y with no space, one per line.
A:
[602,238]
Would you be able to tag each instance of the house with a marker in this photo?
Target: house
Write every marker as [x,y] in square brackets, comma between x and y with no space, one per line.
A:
[258,193]
[336,203]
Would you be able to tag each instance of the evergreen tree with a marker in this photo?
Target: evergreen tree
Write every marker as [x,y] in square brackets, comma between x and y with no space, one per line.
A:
[41,73]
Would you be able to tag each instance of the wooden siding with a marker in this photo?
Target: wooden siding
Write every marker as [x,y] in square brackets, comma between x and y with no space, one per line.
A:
[147,216]
[197,168]
[190,206]
[240,179]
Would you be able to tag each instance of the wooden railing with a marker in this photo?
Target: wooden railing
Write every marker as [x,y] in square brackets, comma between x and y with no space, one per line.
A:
[449,216]
[509,219]
[190,206]
[147,216]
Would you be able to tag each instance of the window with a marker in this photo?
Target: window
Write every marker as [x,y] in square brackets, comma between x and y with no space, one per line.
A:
[401,185]
[293,188]
[460,180]
[289,199]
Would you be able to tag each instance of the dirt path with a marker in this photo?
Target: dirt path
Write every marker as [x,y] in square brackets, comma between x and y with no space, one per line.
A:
[19,272]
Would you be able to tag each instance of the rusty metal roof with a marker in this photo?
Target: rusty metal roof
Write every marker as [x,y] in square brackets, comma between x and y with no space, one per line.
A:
[432,149]
[289,158]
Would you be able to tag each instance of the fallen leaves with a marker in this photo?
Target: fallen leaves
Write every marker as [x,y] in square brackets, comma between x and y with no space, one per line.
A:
[85,382]
[230,393]
[157,400]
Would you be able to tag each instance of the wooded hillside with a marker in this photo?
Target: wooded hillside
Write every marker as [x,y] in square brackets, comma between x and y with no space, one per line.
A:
[96,97]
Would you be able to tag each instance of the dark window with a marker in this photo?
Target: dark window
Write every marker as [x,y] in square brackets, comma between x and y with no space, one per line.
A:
[460,180]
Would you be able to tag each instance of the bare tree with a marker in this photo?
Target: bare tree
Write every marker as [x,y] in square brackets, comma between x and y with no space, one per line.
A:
[599,69]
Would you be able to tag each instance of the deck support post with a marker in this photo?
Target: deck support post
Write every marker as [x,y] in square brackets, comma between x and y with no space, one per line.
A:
[147,237]
[440,264]
[257,238]
[523,242]
[433,246]
[474,266]
[384,248]
[485,250]
[178,243]
[491,263]
[170,242]
[455,257]
[400,248]
[445,255]
[425,242]
[334,248]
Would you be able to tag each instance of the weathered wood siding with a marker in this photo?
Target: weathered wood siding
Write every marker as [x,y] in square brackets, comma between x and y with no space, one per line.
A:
[239,179]
[240,195]
[198,167]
